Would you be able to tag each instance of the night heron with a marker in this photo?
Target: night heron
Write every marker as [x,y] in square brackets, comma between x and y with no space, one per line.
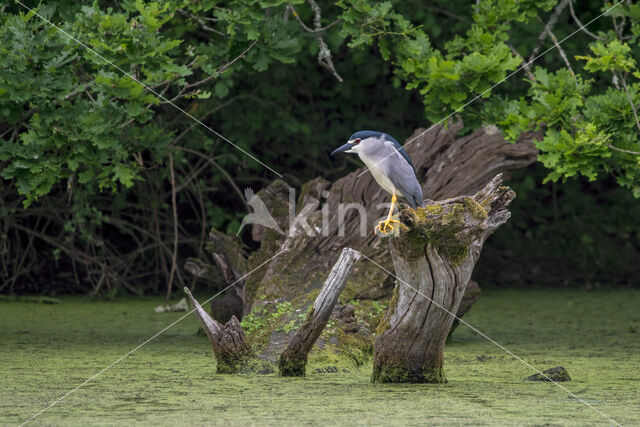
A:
[390,166]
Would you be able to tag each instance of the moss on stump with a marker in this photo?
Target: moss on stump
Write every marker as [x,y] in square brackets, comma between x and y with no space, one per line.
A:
[400,373]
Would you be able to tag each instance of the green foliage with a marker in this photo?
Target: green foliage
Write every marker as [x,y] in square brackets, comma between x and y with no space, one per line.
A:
[582,121]
[150,41]
[254,321]
[614,56]
[72,107]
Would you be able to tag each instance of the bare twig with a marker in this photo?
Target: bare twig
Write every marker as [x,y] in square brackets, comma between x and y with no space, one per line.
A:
[526,65]
[547,28]
[158,236]
[307,28]
[201,166]
[563,55]
[582,27]
[613,147]
[324,54]
[78,91]
[619,28]
[202,21]
[217,166]
[203,223]
[626,92]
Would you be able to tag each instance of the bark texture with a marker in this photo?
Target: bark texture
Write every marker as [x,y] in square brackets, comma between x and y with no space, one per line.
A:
[229,343]
[433,255]
[293,360]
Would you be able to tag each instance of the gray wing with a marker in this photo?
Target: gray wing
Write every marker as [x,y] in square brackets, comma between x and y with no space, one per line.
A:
[398,147]
[403,177]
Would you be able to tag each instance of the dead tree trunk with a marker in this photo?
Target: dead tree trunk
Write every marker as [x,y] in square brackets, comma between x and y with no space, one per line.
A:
[433,255]
[229,343]
[293,360]
[446,166]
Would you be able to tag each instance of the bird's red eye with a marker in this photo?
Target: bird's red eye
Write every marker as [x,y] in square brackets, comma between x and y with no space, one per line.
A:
[357,140]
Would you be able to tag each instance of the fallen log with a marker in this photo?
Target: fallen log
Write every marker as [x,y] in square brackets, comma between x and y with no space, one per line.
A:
[434,253]
[293,360]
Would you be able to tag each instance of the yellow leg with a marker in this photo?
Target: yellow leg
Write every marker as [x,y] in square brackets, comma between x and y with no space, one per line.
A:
[386,225]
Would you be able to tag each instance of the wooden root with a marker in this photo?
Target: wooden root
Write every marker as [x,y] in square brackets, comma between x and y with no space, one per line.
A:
[293,360]
[434,255]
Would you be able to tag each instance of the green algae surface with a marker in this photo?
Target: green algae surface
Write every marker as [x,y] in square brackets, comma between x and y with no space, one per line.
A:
[48,350]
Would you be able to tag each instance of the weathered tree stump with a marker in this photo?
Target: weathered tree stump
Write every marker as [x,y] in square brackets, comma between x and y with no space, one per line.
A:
[434,254]
[229,343]
[293,361]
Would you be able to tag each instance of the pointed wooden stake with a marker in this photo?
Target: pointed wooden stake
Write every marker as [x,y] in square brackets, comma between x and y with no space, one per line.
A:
[229,343]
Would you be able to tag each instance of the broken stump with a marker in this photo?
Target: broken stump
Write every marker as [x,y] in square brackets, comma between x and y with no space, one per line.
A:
[433,254]
[293,360]
[229,342]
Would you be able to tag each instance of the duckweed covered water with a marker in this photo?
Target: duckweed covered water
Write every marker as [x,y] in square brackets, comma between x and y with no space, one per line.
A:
[47,350]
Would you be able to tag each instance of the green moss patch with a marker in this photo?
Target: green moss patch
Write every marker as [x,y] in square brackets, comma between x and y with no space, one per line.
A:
[442,226]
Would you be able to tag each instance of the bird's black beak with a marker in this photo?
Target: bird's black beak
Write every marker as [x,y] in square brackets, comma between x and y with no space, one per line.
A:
[345,147]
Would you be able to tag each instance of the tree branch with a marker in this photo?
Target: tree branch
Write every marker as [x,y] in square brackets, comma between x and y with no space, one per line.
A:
[202,22]
[526,65]
[324,54]
[582,27]
[626,92]
[563,55]
[217,166]
[547,28]
[613,147]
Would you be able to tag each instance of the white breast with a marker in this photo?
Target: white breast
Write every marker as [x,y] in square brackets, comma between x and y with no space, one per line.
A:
[379,175]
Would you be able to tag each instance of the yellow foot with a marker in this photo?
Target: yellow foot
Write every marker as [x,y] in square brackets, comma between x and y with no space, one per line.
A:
[386,226]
